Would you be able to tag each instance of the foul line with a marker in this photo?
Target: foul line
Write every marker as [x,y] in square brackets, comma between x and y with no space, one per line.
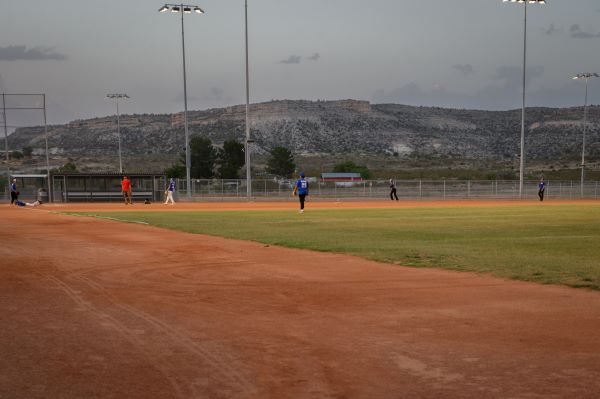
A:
[99,217]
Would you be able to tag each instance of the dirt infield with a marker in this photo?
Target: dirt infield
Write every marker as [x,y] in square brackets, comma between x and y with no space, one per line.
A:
[99,309]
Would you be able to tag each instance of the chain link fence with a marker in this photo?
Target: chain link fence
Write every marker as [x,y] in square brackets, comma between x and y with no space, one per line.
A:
[379,189]
[274,190]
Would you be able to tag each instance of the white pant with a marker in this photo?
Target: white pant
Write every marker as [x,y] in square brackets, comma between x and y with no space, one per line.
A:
[169,198]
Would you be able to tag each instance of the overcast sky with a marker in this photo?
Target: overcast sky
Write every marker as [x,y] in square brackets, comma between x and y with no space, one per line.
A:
[463,54]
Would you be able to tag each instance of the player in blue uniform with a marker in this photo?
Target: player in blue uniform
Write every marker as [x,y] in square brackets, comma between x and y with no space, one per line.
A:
[301,188]
[14,194]
[541,188]
[169,192]
[21,203]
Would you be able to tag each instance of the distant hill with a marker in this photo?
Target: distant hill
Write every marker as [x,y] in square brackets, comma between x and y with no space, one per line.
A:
[334,127]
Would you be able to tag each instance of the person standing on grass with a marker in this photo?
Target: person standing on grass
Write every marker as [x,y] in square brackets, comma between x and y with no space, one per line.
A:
[169,191]
[393,190]
[541,188]
[126,189]
[14,194]
[301,188]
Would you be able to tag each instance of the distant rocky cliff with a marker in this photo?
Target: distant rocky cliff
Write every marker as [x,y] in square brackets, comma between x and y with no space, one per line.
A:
[346,126]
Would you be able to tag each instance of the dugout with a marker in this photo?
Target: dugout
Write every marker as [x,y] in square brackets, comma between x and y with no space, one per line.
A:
[106,187]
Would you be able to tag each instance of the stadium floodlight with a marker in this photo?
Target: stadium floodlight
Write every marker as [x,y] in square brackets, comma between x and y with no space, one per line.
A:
[522,160]
[184,9]
[584,76]
[118,97]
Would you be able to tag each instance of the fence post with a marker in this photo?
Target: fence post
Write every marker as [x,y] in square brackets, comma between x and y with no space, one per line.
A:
[560,190]
[444,188]
[571,190]
[420,189]
[468,188]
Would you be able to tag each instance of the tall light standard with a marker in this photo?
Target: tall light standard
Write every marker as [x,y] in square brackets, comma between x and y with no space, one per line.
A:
[248,141]
[587,76]
[522,160]
[184,9]
[118,97]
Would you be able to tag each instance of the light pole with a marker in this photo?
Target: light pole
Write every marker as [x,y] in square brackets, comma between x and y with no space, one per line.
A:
[184,9]
[522,160]
[118,97]
[248,140]
[587,76]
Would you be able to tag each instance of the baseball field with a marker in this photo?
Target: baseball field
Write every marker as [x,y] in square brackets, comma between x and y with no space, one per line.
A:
[375,299]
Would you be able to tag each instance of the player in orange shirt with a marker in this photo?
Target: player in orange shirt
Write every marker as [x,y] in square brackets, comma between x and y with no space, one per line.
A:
[126,189]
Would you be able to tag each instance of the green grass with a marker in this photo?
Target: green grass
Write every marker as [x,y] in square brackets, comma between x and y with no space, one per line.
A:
[550,244]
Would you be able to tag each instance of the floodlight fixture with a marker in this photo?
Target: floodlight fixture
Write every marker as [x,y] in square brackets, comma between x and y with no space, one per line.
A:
[181,8]
[117,96]
[586,75]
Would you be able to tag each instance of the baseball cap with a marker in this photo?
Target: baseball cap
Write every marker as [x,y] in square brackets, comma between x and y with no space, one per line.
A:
[301,174]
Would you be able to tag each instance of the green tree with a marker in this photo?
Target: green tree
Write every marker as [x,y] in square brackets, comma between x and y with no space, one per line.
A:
[231,159]
[69,167]
[16,155]
[203,157]
[281,162]
[27,151]
[176,171]
[351,167]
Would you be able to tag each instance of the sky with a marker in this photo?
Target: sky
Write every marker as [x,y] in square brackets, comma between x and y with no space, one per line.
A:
[460,54]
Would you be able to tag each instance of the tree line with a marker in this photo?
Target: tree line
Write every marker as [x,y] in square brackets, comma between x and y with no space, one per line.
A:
[209,161]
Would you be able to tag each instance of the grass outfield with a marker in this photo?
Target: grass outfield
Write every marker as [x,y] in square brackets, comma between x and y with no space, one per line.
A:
[550,244]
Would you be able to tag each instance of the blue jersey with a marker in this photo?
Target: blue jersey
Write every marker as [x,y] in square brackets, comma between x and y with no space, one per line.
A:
[171,185]
[302,186]
[13,187]
[542,185]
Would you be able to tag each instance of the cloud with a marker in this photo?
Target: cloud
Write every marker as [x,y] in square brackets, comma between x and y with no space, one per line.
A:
[293,59]
[551,30]
[465,69]
[578,33]
[16,53]
[504,94]
[513,76]
[315,57]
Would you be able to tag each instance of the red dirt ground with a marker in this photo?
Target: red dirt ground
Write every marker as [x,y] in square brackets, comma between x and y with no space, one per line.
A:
[98,309]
